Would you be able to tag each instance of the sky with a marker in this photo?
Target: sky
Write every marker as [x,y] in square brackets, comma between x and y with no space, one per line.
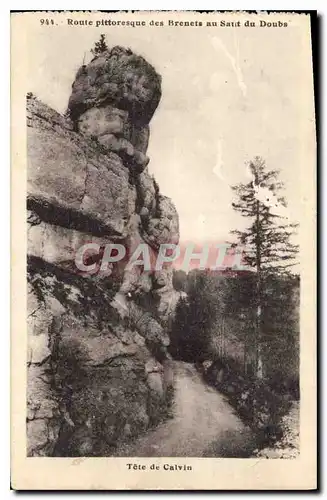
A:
[227,96]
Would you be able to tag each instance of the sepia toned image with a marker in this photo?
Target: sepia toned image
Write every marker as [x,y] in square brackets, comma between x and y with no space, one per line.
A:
[164,243]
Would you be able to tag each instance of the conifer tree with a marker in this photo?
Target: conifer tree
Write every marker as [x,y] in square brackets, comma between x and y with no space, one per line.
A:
[100,46]
[268,249]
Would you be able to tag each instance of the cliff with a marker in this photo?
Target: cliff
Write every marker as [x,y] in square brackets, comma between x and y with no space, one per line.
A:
[98,369]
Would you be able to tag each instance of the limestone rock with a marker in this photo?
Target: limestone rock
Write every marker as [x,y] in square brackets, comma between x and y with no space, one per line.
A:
[56,244]
[164,227]
[117,77]
[147,192]
[109,120]
[70,181]
[155,383]
[113,100]
[101,121]
[98,365]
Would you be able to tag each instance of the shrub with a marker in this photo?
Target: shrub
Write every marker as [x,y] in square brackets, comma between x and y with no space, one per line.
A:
[259,406]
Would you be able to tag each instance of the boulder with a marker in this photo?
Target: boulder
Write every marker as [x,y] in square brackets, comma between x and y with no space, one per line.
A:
[117,77]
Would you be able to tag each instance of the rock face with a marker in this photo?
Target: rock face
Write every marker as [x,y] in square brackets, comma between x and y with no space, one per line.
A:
[97,342]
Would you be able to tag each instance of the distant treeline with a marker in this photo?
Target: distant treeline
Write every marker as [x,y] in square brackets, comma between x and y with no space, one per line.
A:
[216,321]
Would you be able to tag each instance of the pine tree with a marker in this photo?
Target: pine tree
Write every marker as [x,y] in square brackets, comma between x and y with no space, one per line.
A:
[266,241]
[100,46]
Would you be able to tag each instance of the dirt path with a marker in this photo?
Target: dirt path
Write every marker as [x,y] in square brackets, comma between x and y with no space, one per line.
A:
[204,424]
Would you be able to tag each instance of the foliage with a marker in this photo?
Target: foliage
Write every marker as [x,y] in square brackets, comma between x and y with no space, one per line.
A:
[280,333]
[213,299]
[260,307]
[180,280]
[279,324]
[195,315]
[259,406]
[268,247]
[267,240]
[100,46]
[159,408]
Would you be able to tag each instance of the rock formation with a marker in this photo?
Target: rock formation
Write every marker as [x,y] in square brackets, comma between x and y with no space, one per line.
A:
[98,368]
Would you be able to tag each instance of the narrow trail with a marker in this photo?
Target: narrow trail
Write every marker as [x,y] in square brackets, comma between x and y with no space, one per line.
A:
[203,424]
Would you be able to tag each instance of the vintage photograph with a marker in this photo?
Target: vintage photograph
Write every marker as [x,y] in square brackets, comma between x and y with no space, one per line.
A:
[165,193]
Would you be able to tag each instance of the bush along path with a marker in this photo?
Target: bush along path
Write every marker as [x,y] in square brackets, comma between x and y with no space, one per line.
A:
[273,417]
